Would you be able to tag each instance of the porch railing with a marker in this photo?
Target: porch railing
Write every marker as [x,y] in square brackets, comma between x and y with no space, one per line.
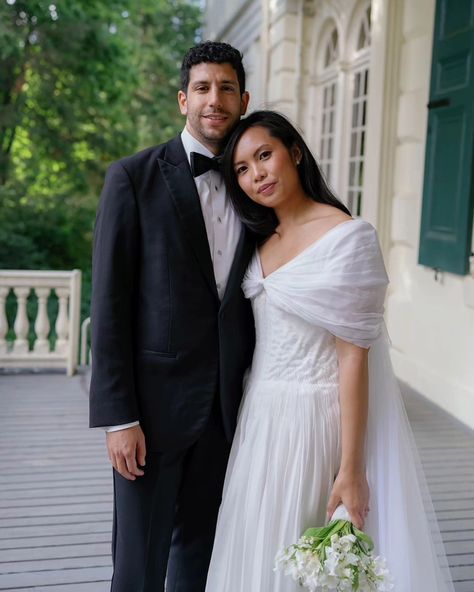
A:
[43,332]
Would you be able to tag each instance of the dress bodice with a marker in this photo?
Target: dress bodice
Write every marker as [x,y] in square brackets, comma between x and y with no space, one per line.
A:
[289,348]
[334,287]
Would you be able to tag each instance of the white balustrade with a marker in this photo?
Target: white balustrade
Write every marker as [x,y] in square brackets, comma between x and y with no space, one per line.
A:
[17,353]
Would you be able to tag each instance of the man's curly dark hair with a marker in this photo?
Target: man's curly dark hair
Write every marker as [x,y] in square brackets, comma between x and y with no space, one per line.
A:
[214,52]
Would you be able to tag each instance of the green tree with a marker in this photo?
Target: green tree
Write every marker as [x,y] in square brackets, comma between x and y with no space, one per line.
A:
[82,83]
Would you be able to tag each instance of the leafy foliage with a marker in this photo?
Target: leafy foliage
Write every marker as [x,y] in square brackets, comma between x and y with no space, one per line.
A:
[82,82]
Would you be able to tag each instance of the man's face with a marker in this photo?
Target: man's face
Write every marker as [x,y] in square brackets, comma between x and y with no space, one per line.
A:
[212,104]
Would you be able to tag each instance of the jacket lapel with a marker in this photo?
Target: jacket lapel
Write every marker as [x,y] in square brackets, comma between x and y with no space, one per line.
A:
[177,175]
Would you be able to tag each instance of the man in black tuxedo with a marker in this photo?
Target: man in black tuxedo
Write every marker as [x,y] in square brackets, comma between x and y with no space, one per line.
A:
[171,333]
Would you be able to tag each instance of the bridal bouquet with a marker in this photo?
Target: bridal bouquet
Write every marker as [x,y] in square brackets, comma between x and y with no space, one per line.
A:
[335,557]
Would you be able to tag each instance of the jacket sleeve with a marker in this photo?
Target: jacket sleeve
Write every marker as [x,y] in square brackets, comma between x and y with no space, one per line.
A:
[114,270]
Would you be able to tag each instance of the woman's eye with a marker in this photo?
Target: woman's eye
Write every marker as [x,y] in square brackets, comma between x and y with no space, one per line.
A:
[265,154]
[240,170]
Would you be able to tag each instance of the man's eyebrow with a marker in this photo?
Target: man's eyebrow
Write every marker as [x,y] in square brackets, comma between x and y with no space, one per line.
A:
[196,82]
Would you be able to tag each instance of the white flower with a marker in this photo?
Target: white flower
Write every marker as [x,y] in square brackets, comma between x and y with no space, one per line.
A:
[335,560]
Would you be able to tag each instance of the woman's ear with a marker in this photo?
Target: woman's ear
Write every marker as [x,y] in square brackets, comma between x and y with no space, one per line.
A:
[296,154]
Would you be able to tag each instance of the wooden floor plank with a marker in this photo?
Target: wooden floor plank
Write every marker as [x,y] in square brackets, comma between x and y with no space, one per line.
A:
[56,491]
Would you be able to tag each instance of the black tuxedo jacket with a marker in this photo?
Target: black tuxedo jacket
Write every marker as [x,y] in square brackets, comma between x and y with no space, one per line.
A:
[163,345]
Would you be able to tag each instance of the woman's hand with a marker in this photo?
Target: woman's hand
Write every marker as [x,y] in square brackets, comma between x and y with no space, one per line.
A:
[352,490]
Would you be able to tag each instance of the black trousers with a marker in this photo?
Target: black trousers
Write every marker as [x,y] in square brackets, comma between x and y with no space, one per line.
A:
[164,522]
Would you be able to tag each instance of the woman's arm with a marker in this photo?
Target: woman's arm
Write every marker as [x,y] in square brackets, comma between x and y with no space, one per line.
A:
[350,486]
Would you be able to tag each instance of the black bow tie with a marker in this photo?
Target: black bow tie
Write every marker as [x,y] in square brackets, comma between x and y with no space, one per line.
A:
[200,164]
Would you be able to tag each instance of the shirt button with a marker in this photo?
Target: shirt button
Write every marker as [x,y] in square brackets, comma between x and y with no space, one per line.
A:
[216,188]
[219,252]
[218,286]
[219,219]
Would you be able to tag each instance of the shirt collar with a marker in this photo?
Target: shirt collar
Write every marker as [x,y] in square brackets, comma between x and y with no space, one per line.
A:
[192,145]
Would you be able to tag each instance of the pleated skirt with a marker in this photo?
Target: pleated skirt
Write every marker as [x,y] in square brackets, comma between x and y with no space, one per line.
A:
[284,459]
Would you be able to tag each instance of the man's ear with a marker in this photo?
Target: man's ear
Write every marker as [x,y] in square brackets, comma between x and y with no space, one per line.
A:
[183,102]
[244,102]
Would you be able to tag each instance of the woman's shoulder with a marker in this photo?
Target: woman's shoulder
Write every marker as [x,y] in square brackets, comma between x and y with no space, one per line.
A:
[339,226]
[328,214]
[354,245]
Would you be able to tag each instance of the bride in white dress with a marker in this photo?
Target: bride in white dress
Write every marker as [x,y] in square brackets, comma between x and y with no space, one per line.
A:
[321,421]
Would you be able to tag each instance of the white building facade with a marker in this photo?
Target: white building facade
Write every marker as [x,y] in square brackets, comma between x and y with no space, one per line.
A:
[383,92]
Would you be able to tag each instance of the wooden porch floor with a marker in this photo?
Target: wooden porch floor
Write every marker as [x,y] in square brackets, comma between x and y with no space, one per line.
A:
[56,495]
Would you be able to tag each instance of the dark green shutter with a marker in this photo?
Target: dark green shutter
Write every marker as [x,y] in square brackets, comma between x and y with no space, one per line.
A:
[448,193]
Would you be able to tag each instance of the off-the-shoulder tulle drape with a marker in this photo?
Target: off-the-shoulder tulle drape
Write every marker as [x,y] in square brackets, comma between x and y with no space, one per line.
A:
[337,283]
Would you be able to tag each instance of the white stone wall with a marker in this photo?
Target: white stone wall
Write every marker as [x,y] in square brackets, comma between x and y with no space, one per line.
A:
[431,321]
[240,23]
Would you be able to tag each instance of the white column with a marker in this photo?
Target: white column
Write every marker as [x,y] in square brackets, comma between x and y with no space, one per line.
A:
[74,321]
[62,322]
[42,325]
[3,320]
[21,326]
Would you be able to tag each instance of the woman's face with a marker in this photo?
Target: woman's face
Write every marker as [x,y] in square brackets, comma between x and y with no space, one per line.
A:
[265,169]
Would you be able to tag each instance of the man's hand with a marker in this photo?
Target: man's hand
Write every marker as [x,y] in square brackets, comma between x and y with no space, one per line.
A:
[127,451]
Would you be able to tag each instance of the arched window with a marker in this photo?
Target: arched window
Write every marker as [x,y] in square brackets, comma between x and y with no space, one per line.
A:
[359,72]
[338,99]
[328,108]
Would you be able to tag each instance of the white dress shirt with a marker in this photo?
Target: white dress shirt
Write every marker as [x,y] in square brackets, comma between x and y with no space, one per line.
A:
[222,224]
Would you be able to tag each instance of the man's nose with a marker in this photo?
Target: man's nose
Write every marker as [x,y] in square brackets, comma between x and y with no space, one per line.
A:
[215,98]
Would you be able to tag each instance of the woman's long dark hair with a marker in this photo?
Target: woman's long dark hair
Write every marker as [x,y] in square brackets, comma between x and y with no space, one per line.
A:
[258,218]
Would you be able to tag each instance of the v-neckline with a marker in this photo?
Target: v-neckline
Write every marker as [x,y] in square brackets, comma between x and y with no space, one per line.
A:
[302,252]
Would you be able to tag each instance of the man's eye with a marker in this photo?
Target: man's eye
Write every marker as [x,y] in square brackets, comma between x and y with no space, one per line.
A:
[201,88]
[228,88]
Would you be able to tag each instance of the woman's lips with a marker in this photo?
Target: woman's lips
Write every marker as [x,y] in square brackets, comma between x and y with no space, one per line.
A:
[266,189]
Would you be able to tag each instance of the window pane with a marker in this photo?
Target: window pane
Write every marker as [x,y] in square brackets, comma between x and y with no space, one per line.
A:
[356,85]
[353,144]
[355,111]
[352,174]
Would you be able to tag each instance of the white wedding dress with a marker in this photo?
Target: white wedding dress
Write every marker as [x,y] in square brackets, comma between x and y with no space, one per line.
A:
[286,450]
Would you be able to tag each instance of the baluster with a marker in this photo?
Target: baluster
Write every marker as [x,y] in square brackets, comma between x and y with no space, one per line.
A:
[3,320]
[42,325]
[21,326]
[62,322]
